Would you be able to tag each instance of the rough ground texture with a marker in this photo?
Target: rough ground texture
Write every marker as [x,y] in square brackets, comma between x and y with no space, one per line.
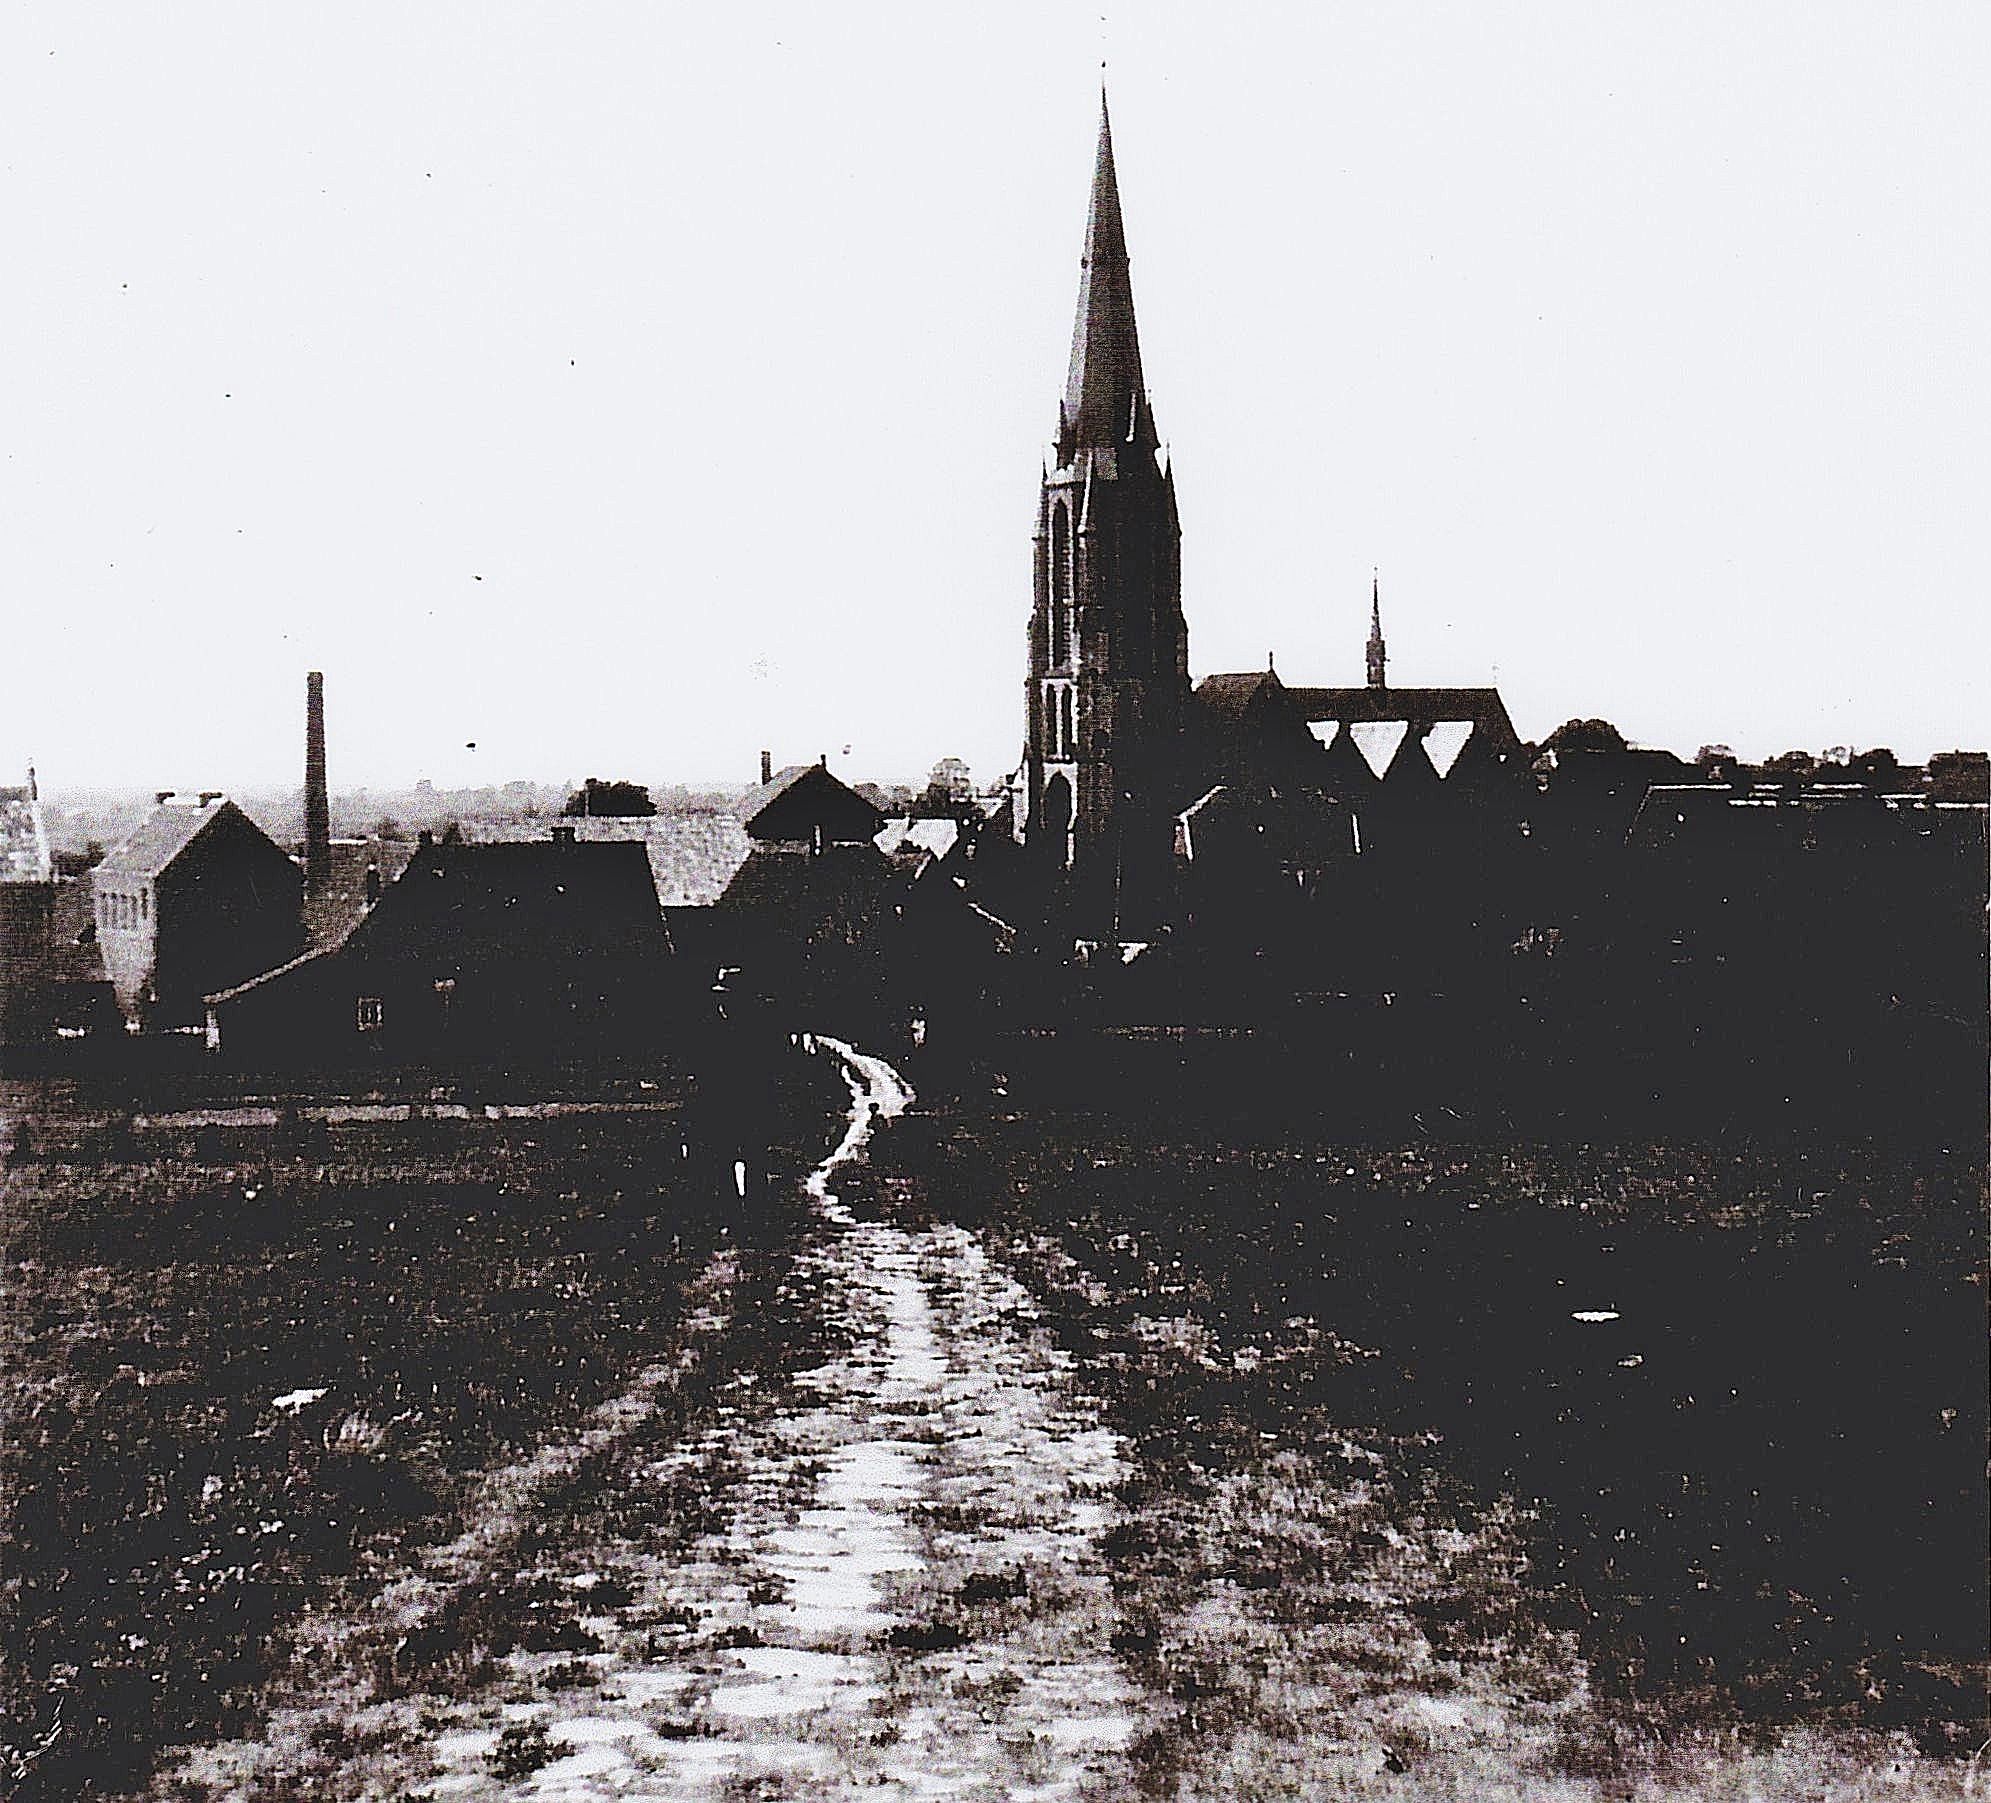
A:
[847,1538]
[933,1494]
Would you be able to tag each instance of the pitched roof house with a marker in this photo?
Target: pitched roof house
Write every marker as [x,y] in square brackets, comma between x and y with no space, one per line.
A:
[498,952]
[198,898]
[805,805]
[693,856]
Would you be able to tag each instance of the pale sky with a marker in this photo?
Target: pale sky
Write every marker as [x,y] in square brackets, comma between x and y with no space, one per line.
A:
[626,387]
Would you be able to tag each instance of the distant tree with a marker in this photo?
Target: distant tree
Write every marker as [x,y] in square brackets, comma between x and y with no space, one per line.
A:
[388,828]
[1585,735]
[1960,776]
[597,799]
[1791,767]
[952,778]
[949,793]
[1879,769]
[887,798]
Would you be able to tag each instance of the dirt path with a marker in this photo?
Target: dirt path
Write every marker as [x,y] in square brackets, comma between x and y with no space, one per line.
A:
[851,1539]
[904,1600]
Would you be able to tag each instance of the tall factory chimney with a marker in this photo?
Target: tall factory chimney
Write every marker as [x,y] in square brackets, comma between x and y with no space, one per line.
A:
[317,804]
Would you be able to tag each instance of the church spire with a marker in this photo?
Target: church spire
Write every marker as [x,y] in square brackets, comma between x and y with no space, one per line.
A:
[1106,400]
[1108,687]
[1378,658]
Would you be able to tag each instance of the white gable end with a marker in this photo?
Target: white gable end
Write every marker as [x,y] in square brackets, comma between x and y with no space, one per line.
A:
[1378,740]
[1444,742]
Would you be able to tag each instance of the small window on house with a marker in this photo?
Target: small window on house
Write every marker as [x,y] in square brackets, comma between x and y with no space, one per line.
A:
[367,1014]
[145,904]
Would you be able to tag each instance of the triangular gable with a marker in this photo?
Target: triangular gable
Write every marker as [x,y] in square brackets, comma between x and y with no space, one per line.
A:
[1379,741]
[1444,742]
[1185,835]
[807,802]
[1324,730]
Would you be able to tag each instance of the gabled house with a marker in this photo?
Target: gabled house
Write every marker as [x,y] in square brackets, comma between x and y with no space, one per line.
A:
[800,916]
[478,954]
[805,806]
[198,898]
[787,880]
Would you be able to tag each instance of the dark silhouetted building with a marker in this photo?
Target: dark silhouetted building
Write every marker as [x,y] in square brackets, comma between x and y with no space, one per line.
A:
[1120,756]
[476,955]
[1108,685]
[197,899]
[805,806]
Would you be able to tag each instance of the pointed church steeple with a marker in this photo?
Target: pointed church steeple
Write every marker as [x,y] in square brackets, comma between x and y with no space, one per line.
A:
[1109,651]
[1378,657]
[1106,400]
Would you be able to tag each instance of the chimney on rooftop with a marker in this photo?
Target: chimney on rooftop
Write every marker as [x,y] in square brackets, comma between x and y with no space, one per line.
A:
[767,766]
[317,804]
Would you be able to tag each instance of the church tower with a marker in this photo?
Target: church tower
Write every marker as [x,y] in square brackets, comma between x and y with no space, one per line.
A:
[1109,650]
[1378,656]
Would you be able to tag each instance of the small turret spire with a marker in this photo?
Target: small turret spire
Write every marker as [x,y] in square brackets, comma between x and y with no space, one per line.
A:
[1378,657]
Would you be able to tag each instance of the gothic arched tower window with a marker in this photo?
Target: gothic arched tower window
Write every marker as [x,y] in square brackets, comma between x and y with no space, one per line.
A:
[1061,587]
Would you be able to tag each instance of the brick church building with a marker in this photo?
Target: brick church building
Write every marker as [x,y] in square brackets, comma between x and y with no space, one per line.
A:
[1131,775]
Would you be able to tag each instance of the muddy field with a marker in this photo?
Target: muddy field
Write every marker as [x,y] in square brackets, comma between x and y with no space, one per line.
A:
[1001,1458]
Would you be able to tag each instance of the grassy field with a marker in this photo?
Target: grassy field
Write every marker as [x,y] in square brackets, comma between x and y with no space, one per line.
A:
[344,1456]
[250,1371]
[1604,1471]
